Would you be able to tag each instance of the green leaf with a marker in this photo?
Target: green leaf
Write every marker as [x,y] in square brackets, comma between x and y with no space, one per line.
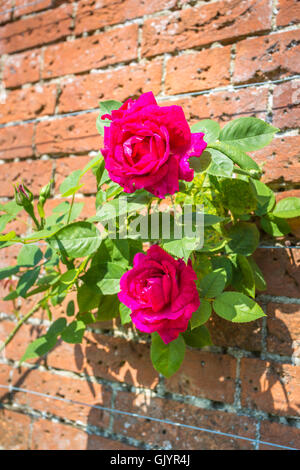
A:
[70,183]
[88,297]
[244,238]
[259,280]
[69,276]
[39,347]
[74,332]
[125,314]
[237,307]
[8,271]
[56,328]
[4,220]
[243,278]
[77,240]
[210,128]
[238,196]
[200,164]
[211,219]
[248,133]
[70,308]
[106,276]
[29,255]
[108,308]
[198,337]
[105,108]
[220,165]
[167,358]
[287,208]
[274,225]
[201,315]
[225,263]
[113,250]
[213,284]
[26,281]
[181,248]
[264,196]
[238,156]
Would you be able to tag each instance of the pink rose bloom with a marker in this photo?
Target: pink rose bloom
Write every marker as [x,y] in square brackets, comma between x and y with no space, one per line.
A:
[161,293]
[148,146]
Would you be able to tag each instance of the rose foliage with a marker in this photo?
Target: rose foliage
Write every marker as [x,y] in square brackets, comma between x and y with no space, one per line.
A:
[121,263]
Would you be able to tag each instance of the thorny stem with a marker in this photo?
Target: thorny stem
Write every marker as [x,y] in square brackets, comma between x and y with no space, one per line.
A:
[70,210]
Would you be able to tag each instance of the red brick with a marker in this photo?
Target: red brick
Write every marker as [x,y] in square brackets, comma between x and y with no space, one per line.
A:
[17,346]
[280,434]
[84,92]
[5,371]
[4,14]
[64,166]
[286,101]
[223,105]
[245,336]
[110,358]
[195,72]
[16,141]
[280,268]
[280,159]
[22,9]
[58,386]
[28,103]
[283,325]
[14,430]
[205,24]
[270,386]
[205,375]
[288,12]
[35,174]
[48,435]
[267,57]
[90,16]
[117,45]
[21,68]
[35,30]
[169,436]
[68,135]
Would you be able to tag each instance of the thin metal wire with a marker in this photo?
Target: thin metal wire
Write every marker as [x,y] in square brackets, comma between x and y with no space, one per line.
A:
[150,418]
[21,6]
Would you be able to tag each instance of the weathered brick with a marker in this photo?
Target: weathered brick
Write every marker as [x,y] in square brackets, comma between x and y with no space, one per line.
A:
[227,334]
[268,57]
[14,430]
[21,68]
[110,358]
[17,346]
[117,45]
[4,14]
[288,12]
[22,9]
[168,436]
[205,375]
[280,159]
[35,30]
[269,386]
[5,371]
[35,174]
[91,15]
[68,135]
[16,141]
[280,268]
[58,386]
[280,434]
[64,166]
[195,72]
[223,105]
[49,435]
[286,109]
[283,324]
[84,92]
[205,24]
[28,103]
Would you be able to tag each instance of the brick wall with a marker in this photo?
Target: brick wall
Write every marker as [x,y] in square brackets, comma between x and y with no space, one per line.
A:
[219,59]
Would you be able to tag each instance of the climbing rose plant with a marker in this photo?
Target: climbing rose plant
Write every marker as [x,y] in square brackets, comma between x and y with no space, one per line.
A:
[163,286]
